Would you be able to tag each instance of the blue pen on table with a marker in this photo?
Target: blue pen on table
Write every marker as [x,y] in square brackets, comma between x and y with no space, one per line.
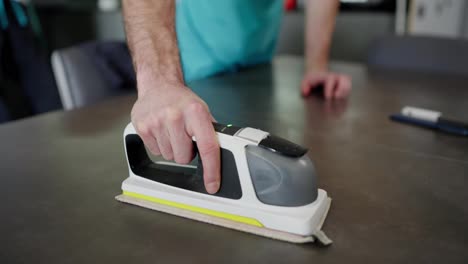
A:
[430,119]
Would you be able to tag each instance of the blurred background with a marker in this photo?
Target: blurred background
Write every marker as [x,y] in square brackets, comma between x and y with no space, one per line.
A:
[377,32]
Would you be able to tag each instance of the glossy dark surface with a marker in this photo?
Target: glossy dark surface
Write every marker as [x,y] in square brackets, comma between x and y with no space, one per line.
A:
[400,193]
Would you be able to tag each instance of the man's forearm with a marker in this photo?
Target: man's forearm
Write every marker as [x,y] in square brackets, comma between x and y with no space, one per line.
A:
[151,37]
[320,23]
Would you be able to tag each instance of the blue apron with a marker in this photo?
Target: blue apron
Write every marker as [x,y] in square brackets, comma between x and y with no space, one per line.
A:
[222,35]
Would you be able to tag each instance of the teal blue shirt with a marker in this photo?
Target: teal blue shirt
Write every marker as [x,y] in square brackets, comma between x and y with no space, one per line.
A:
[222,35]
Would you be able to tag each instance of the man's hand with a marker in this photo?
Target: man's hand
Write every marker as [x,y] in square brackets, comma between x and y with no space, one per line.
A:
[167,118]
[335,86]
[167,114]
[320,23]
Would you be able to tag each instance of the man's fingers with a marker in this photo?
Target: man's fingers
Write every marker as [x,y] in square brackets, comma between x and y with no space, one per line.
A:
[208,147]
[150,141]
[181,143]
[347,84]
[311,81]
[343,86]
[330,83]
[152,145]
[305,87]
[338,92]
[335,85]
[164,143]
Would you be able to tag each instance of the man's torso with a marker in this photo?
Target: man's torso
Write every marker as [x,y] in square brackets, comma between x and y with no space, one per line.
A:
[222,35]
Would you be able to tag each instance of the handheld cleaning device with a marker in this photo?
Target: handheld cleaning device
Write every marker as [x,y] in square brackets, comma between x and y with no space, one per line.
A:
[268,186]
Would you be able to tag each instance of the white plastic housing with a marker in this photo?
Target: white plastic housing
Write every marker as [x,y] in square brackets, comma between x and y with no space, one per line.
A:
[302,220]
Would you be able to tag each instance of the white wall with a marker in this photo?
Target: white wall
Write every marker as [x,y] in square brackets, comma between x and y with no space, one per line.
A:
[442,18]
[465,22]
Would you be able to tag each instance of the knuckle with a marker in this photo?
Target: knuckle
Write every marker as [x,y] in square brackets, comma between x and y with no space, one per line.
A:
[197,108]
[173,116]
[142,129]
[156,123]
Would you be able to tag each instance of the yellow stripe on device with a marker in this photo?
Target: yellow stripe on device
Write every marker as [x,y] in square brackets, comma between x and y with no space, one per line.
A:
[236,218]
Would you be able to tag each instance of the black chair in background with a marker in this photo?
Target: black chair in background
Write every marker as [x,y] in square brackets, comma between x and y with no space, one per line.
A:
[92,72]
[4,116]
[417,53]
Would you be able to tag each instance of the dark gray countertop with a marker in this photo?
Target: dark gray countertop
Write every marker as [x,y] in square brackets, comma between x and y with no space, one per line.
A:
[399,192]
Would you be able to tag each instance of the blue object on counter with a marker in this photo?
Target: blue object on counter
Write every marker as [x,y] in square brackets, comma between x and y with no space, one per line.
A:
[456,130]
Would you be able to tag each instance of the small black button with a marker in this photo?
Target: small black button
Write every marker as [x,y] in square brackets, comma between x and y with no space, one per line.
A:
[283,146]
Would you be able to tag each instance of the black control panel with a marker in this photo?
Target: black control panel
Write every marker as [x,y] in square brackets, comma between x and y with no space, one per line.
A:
[226,129]
[271,142]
